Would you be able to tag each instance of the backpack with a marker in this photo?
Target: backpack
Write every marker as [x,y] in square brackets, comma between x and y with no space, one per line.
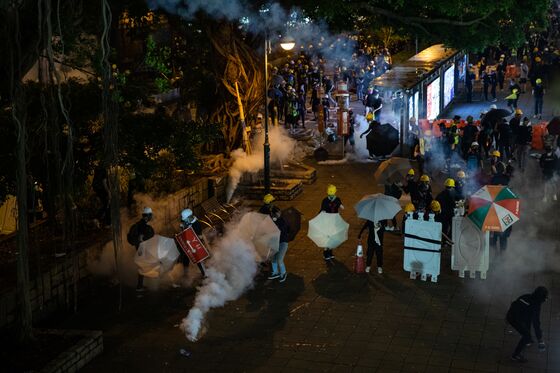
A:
[133,235]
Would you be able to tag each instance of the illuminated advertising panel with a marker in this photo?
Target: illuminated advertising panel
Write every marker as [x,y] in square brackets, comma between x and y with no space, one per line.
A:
[416,103]
[448,85]
[432,98]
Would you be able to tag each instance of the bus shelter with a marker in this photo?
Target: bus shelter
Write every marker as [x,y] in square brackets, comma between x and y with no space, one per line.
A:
[421,88]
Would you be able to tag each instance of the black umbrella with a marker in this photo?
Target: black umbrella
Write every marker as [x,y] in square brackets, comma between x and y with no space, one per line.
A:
[293,219]
[494,116]
[553,126]
[382,139]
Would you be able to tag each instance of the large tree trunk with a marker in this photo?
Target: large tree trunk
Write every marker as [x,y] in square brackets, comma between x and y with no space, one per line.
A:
[19,119]
[235,62]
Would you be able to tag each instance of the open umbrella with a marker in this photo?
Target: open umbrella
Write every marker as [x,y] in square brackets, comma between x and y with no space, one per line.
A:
[382,139]
[494,208]
[262,232]
[293,219]
[493,116]
[553,126]
[328,230]
[392,168]
[376,207]
[156,256]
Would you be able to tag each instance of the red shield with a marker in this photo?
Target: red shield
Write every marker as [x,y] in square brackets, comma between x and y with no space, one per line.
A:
[192,246]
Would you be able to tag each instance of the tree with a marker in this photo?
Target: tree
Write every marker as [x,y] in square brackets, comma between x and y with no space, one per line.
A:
[472,24]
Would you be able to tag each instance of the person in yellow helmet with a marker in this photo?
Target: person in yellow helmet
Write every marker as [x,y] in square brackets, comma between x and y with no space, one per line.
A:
[446,200]
[460,185]
[267,206]
[411,186]
[331,204]
[423,197]
[514,125]
[538,96]
[409,208]
[494,159]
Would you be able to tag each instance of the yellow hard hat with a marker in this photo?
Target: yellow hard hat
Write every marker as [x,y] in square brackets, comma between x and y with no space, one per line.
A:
[496,153]
[425,178]
[538,59]
[435,206]
[409,208]
[410,172]
[268,198]
[331,190]
[369,116]
[518,112]
[461,174]
[449,183]
[539,81]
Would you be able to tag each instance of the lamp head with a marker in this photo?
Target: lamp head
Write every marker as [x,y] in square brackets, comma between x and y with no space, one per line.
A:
[287,43]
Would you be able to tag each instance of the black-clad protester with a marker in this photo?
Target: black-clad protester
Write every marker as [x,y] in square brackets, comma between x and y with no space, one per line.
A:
[523,142]
[374,243]
[524,313]
[446,199]
[139,232]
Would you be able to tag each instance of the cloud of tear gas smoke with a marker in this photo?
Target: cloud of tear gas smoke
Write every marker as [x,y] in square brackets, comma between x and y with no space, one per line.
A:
[230,272]
[165,223]
[533,246]
[272,17]
[282,147]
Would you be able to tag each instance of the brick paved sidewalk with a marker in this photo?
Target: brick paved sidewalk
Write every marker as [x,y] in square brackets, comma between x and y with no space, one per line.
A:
[327,318]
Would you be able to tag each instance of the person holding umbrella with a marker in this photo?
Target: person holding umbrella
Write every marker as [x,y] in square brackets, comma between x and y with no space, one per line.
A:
[370,128]
[267,206]
[374,243]
[524,313]
[330,204]
[278,266]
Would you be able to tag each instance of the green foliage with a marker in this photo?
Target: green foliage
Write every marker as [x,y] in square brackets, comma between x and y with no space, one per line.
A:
[464,24]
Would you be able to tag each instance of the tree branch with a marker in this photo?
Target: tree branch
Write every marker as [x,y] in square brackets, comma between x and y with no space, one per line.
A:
[417,21]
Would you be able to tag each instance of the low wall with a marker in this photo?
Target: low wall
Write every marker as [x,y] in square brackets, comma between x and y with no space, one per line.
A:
[52,291]
[77,356]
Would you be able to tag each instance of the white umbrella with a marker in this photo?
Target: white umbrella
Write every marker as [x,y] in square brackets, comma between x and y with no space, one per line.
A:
[156,256]
[376,207]
[328,230]
[262,232]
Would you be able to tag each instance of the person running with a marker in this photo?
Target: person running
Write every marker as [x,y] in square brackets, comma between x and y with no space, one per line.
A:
[374,243]
[278,266]
[372,125]
[331,204]
[139,232]
[524,313]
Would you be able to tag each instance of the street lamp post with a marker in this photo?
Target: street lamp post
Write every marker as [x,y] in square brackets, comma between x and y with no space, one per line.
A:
[286,44]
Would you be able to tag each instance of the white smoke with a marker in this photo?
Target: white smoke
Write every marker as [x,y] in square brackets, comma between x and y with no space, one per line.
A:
[272,18]
[282,147]
[230,272]
[165,223]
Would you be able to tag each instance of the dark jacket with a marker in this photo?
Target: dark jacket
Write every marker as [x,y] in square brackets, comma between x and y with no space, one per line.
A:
[196,226]
[447,201]
[524,135]
[500,179]
[284,229]
[526,310]
[370,226]
[548,163]
[411,187]
[393,190]
[331,206]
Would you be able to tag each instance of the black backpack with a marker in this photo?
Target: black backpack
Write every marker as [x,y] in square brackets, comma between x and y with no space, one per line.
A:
[133,235]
